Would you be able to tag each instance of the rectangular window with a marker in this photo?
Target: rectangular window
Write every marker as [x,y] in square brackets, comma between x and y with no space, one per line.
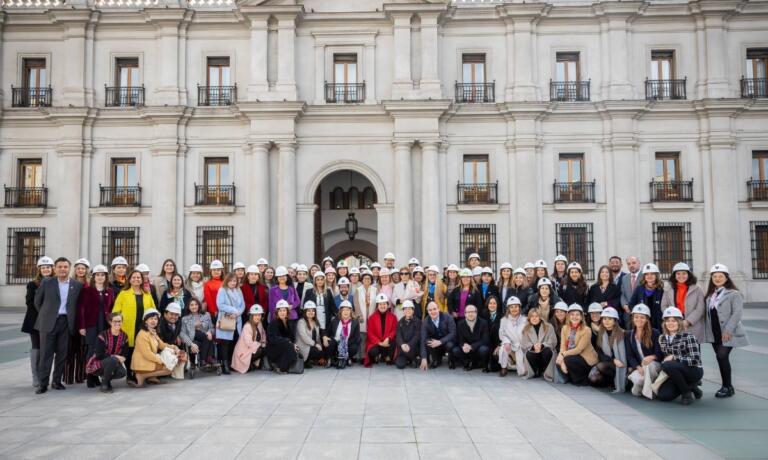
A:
[476,169]
[575,241]
[760,165]
[345,68]
[473,67]
[218,71]
[120,241]
[567,67]
[571,167]
[35,73]
[215,243]
[127,73]
[216,172]
[671,244]
[30,173]
[662,65]
[25,246]
[759,250]
[757,63]
[667,166]
[124,172]
[480,239]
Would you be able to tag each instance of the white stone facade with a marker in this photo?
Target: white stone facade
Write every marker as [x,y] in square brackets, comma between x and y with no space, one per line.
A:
[407,136]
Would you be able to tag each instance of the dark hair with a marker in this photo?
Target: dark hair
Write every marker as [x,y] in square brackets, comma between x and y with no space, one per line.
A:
[175,274]
[728,285]
[39,276]
[127,285]
[114,315]
[62,259]
[307,320]
[610,278]
[144,321]
[200,309]
[673,282]
[614,257]
[488,300]
[162,267]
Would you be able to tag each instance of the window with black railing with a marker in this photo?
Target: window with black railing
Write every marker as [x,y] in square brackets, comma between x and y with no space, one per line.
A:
[36,96]
[215,195]
[344,92]
[477,193]
[480,239]
[671,89]
[475,92]
[759,244]
[576,242]
[569,91]
[120,241]
[671,190]
[757,190]
[754,88]
[574,192]
[119,196]
[124,96]
[671,244]
[216,95]
[215,243]
[25,246]
[26,197]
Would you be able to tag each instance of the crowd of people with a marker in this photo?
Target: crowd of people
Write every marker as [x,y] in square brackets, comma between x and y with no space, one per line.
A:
[628,331]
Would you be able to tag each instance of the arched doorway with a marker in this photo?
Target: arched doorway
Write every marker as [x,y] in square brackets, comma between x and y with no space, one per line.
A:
[339,194]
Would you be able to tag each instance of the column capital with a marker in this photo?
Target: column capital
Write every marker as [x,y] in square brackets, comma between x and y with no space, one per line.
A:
[402,143]
[286,145]
[429,143]
[258,146]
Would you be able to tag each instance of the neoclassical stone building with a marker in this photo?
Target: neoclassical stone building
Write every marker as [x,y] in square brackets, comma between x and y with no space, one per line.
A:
[239,129]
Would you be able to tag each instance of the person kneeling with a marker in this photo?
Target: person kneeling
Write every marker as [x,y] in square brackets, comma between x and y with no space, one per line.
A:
[407,337]
[511,355]
[682,360]
[309,337]
[538,344]
[343,340]
[473,348]
[282,350]
[438,333]
[251,346]
[643,352]
[577,356]
[611,369]
[382,327]
[111,348]
[147,363]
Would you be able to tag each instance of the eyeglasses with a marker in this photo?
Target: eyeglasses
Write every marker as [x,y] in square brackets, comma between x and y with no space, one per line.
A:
[116,321]
[405,274]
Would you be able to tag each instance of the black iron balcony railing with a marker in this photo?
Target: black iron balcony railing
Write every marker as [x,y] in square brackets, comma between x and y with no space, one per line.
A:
[38,96]
[754,88]
[569,91]
[345,92]
[124,96]
[757,190]
[216,95]
[574,192]
[26,197]
[665,89]
[215,195]
[475,92]
[478,193]
[673,190]
[119,196]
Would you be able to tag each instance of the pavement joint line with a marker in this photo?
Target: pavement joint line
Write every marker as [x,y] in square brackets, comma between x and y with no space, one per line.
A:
[759,330]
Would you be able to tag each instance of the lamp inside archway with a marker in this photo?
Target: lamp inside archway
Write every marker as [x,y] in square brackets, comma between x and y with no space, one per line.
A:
[350,225]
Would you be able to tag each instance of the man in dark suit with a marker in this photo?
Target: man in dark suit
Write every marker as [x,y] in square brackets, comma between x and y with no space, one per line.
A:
[56,303]
[472,340]
[438,333]
[628,283]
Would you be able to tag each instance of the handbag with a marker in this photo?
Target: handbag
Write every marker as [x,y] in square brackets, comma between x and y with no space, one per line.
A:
[225,323]
[659,382]
[298,365]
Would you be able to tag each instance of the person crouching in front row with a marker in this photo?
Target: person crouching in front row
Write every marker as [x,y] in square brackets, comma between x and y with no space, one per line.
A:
[408,337]
[146,362]
[380,338]
[343,338]
[472,341]
[438,334]
[250,347]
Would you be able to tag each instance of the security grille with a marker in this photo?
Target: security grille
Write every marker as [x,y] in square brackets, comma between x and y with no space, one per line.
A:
[575,241]
[215,243]
[671,244]
[25,246]
[480,239]
[120,241]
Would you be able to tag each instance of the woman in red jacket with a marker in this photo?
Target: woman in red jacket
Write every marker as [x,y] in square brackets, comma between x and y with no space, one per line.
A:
[212,286]
[380,338]
[94,308]
[254,293]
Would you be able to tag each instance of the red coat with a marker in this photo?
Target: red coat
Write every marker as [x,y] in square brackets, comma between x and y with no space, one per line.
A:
[376,335]
[88,306]
[210,291]
[251,300]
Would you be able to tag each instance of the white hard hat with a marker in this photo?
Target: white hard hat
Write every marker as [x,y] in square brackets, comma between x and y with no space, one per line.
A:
[375,265]
[681,266]
[514,301]
[474,255]
[341,263]
[294,266]
[385,272]
[642,309]
[389,255]
[150,312]
[119,260]
[573,265]
[519,271]
[561,258]
[540,264]
[343,281]
[433,268]
[328,259]
[528,265]
[195,268]
[302,268]
[354,271]
[82,261]
[465,272]
[594,307]
[719,268]
[173,307]
[100,269]
[453,268]
[281,271]
[318,274]
[252,269]
[217,265]
[543,282]
[413,261]
[418,269]
[282,303]
[561,306]
[477,271]
[143,268]
[238,265]
[610,312]
[672,312]
[382,298]
[408,304]
[262,261]
[256,310]
[651,268]
[345,304]
[45,260]
[487,270]
[505,265]
[310,305]
[575,307]
[330,270]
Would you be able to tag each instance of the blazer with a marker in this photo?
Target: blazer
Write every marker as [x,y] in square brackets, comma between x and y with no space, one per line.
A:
[439,297]
[408,332]
[145,356]
[583,346]
[477,337]
[635,354]
[363,311]
[167,333]
[353,342]
[253,296]
[475,298]
[548,339]
[47,301]
[445,332]
[695,310]
[304,337]
[186,296]
[492,290]
[521,293]
[493,327]
[125,303]
[188,327]
[612,296]
[230,302]
[161,284]
[656,306]
[730,307]
[328,303]
[293,301]
[302,289]
[88,310]
[570,295]
[626,287]
[30,317]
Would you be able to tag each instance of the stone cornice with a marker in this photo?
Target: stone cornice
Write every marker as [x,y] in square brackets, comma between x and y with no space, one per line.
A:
[281,110]
[416,108]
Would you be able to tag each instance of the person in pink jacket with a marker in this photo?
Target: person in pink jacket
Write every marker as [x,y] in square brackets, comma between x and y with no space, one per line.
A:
[253,341]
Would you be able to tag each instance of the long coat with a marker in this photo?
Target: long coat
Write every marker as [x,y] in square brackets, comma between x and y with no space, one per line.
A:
[376,335]
[246,346]
[547,338]
[88,310]
[729,310]
[694,309]
[230,302]
[125,303]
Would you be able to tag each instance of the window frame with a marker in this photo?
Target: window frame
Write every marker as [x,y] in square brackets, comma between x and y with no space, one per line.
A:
[759,249]
[29,63]
[571,158]
[470,239]
[473,59]
[565,232]
[127,62]
[567,56]
[21,267]
[760,158]
[209,65]
[658,58]
[208,234]
[664,156]
[760,60]
[475,159]
[217,160]
[346,59]
[110,250]
[21,164]
[114,163]
[666,258]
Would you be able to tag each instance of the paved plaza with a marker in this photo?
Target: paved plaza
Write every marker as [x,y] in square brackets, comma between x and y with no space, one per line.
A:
[379,413]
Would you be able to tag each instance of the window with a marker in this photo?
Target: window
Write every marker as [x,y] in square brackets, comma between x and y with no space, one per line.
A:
[215,243]
[25,246]
[127,72]
[480,239]
[476,169]
[30,173]
[353,198]
[759,250]
[567,67]
[671,244]
[35,73]
[473,68]
[662,65]
[667,166]
[344,68]
[760,165]
[757,63]
[124,172]
[338,199]
[120,241]
[369,198]
[571,167]
[216,172]
[218,71]
[575,241]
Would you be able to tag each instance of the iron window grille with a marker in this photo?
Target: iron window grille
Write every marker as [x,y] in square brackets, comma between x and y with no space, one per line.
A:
[480,239]
[576,242]
[25,246]
[215,243]
[120,241]
[759,237]
[671,244]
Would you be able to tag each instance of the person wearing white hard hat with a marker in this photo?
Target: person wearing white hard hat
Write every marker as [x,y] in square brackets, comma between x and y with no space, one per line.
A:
[252,344]
[451,277]
[683,292]
[407,338]
[559,270]
[146,362]
[418,275]
[342,269]
[292,273]
[309,337]
[327,262]
[406,289]
[649,292]
[605,292]
[473,342]
[530,273]
[577,355]
[239,270]
[44,271]
[559,320]
[132,301]
[477,274]
[681,362]
[197,336]
[175,293]
[322,297]
[344,294]
[505,284]
[512,355]
[593,319]
[611,368]
[343,337]
[386,286]
[365,303]
[229,322]
[330,279]
[539,343]
[574,289]
[544,298]
[473,260]
[169,327]
[723,329]
[492,313]
[303,284]
[148,286]
[466,293]
[520,288]
[195,281]
[80,270]
[438,334]
[434,291]
[212,286]
[413,263]
[487,286]
[354,279]
[389,261]
[282,290]
[541,270]
[628,284]
[163,279]
[643,352]
[282,351]
[254,293]
[119,273]
[263,264]
[94,307]
[380,337]
[268,277]
[110,351]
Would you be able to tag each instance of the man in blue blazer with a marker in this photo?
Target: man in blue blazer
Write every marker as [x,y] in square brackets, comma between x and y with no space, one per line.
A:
[438,334]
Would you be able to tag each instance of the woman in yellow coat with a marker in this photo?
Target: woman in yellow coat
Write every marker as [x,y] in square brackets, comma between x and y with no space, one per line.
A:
[434,290]
[146,363]
[132,301]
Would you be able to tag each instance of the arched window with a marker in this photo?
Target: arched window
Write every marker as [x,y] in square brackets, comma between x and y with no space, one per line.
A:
[337,199]
[369,198]
[353,198]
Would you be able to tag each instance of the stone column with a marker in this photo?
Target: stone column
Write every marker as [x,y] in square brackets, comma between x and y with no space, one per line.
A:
[88,63]
[258,200]
[403,200]
[430,82]
[73,92]
[257,82]
[524,61]
[62,192]
[622,150]
[164,203]
[443,184]
[306,236]
[286,203]
[618,70]
[724,197]
[2,21]
[320,74]
[286,64]
[370,73]
[526,188]
[431,241]
[716,56]
[402,85]
[167,91]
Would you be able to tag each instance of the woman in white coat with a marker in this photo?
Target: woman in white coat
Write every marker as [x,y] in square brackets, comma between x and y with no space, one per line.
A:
[365,302]
[512,355]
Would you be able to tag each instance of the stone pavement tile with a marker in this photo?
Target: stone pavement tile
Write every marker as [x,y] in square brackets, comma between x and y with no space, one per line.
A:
[431,409]
[198,422]
[388,435]
[443,451]
[732,443]
[391,408]
[442,435]
[339,420]
[242,421]
[511,451]
[388,452]
[681,451]
[35,409]
[388,420]
[334,408]
[268,434]
[20,435]
[331,434]
[209,451]
[305,410]
[177,435]
[570,450]
[7,447]
[485,420]
[258,449]
[67,452]
[423,420]
[36,422]
[156,452]
[226,435]
[330,451]
[246,407]
[289,421]
[505,434]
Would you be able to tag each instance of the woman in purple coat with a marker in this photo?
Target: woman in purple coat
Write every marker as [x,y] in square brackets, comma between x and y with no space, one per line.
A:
[283,291]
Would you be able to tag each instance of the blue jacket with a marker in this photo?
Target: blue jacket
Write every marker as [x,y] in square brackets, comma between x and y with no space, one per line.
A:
[634,358]
[230,302]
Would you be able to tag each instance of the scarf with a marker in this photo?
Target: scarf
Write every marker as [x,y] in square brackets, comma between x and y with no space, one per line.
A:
[146,286]
[680,293]
[617,351]
[345,328]
[471,324]
[714,301]
[572,335]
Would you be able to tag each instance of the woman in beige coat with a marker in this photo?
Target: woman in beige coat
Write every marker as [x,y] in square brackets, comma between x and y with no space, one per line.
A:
[539,344]
[577,355]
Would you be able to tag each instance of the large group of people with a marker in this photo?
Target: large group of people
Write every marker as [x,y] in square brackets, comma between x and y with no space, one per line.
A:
[628,331]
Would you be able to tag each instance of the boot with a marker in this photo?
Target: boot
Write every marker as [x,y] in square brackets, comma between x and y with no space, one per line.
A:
[34,357]
[225,367]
